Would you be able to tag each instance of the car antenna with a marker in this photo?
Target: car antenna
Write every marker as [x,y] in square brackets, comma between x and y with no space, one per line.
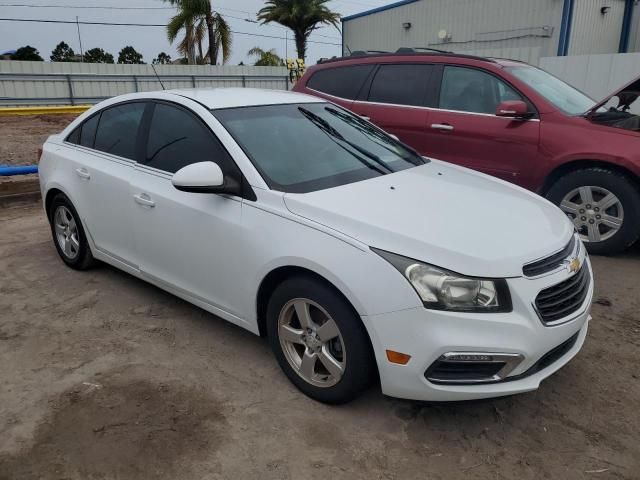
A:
[348,49]
[157,76]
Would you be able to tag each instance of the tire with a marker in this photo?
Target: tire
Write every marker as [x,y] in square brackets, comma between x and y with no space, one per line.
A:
[78,256]
[351,348]
[600,182]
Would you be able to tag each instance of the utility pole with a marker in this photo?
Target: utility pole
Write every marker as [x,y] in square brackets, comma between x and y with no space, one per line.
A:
[79,39]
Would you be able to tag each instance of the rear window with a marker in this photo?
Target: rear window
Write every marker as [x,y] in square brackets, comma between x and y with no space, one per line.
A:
[118,129]
[344,82]
[400,84]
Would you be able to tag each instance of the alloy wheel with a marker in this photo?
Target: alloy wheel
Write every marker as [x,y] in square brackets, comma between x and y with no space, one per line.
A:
[595,211]
[66,232]
[312,342]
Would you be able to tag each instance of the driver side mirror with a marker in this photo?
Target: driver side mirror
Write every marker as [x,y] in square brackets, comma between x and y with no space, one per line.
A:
[204,177]
[513,109]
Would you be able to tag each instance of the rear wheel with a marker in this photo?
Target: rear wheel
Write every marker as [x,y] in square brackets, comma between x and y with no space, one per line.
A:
[68,234]
[319,341]
[603,205]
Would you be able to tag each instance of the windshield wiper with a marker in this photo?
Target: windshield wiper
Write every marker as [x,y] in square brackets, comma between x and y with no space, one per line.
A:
[333,133]
[384,140]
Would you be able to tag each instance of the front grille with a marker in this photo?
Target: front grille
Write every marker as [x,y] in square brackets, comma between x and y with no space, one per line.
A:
[550,263]
[557,302]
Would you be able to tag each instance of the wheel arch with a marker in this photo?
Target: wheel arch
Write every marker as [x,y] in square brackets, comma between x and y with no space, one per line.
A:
[278,275]
[580,164]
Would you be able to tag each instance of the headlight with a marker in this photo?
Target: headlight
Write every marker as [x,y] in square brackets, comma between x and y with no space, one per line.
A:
[443,290]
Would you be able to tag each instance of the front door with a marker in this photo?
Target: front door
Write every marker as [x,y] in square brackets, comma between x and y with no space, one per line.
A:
[192,242]
[465,130]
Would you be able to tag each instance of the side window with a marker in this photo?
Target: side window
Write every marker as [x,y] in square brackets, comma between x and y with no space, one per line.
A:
[177,138]
[88,132]
[472,90]
[118,129]
[400,84]
[344,82]
[74,137]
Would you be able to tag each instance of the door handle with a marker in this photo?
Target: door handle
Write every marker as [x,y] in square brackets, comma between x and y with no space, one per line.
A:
[83,173]
[442,126]
[145,200]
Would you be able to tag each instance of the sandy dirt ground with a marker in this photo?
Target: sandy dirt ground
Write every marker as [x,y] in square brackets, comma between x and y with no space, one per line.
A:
[103,376]
[20,136]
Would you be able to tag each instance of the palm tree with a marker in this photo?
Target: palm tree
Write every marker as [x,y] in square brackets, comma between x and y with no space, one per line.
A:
[266,58]
[184,20]
[301,16]
[193,16]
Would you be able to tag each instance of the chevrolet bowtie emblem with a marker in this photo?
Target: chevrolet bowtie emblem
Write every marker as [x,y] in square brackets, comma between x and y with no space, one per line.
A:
[573,265]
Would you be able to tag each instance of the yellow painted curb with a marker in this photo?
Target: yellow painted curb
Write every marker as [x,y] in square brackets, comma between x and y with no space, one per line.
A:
[43,110]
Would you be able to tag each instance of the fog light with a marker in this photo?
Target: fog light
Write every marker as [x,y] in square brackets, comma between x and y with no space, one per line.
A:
[397,357]
[470,367]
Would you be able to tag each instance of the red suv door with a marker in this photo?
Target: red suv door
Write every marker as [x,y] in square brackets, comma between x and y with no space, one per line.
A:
[395,99]
[464,129]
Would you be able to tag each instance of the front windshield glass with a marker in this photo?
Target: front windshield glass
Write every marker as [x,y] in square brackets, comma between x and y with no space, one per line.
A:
[312,146]
[568,99]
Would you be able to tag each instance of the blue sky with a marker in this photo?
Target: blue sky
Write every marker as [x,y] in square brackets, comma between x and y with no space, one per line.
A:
[152,40]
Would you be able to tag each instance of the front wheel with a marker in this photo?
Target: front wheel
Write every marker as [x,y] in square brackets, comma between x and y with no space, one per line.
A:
[319,341]
[603,205]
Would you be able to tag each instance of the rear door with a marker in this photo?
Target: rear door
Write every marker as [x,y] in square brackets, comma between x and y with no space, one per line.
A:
[105,159]
[464,129]
[396,99]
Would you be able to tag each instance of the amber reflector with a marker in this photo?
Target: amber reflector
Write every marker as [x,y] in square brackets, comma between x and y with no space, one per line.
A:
[397,357]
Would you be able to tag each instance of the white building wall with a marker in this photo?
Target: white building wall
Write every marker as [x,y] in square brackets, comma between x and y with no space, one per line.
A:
[522,29]
[593,32]
[634,40]
[596,75]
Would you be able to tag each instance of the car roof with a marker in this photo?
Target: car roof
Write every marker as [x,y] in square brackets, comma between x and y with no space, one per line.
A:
[216,98]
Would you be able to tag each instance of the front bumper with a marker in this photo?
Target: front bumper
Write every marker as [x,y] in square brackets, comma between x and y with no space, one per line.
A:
[428,334]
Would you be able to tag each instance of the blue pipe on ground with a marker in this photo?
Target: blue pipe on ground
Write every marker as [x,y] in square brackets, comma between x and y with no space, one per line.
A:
[6,171]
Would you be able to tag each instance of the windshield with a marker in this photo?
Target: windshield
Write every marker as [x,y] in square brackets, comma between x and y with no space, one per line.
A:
[302,148]
[568,99]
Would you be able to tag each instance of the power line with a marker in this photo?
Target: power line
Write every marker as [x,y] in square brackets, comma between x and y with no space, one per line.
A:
[145,25]
[226,15]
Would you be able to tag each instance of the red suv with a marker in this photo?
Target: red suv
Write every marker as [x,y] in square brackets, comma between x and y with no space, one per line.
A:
[508,119]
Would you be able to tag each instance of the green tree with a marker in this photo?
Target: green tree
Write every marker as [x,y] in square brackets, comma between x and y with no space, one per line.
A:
[62,53]
[193,16]
[97,55]
[301,16]
[162,59]
[27,53]
[129,55]
[265,58]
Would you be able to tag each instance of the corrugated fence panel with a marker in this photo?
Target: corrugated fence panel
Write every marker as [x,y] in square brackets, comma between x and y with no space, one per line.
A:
[596,75]
[44,83]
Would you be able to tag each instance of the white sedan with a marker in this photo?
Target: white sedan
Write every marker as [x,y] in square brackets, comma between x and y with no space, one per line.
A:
[295,219]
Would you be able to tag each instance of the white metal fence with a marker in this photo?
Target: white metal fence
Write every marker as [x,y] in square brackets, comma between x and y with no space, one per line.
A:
[43,83]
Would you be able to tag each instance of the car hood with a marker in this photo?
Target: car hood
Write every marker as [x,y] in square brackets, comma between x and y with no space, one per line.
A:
[628,93]
[444,215]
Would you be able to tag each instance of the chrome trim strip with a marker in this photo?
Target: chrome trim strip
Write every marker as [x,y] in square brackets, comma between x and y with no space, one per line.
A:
[576,252]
